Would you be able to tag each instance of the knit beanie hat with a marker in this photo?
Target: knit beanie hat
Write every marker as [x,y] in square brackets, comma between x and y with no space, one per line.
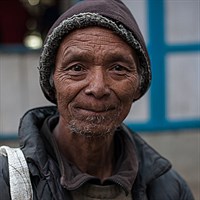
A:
[110,14]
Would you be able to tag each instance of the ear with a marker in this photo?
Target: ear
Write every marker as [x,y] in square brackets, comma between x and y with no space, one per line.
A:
[51,82]
[51,79]
[138,91]
[137,94]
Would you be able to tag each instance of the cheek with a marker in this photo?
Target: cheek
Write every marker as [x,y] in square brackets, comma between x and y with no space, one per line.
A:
[62,103]
[128,89]
[126,94]
[62,91]
[61,83]
[66,92]
[64,95]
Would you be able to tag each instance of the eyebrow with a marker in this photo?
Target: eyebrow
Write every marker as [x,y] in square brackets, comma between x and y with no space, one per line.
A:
[72,56]
[69,56]
[117,57]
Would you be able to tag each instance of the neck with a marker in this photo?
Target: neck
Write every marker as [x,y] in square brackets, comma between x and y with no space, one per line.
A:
[91,155]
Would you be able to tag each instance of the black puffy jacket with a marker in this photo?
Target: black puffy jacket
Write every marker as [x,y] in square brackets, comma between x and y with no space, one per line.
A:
[155,179]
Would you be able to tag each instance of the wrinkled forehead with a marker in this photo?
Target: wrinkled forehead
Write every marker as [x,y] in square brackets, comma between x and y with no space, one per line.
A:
[96,39]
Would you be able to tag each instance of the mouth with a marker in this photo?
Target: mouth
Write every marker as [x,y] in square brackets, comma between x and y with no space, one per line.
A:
[97,110]
[97,115]
[94,109]
[94,113]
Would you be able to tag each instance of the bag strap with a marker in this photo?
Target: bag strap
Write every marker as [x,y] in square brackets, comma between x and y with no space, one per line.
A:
[20,183]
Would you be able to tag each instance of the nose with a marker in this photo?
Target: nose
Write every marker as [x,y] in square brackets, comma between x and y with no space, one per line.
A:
[98,84]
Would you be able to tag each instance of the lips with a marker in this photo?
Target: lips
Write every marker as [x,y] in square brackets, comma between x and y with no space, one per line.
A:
[95,108]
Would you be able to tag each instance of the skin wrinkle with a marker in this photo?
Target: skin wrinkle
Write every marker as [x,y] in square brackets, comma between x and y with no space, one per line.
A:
[96,81]
[73,44]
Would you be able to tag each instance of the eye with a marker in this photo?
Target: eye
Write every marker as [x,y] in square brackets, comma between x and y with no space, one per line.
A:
[118,68]
[76,68]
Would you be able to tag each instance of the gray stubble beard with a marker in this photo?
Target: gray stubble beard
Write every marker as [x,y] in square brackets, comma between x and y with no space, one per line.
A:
[94,122]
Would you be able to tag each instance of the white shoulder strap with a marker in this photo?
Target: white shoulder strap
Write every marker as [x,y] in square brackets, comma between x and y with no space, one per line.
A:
[20,184]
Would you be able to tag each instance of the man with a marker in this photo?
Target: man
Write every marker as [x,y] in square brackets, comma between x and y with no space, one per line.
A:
[94,64]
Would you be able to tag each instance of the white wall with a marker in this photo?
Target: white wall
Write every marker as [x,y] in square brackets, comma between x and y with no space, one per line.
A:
[19,88]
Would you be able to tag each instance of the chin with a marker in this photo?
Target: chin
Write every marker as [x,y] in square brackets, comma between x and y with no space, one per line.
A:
[91,129]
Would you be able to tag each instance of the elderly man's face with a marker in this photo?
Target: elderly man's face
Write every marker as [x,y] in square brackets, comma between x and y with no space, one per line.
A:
[96,81]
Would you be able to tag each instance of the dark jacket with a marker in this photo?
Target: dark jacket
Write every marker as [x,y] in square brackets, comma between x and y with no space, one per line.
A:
[155,179]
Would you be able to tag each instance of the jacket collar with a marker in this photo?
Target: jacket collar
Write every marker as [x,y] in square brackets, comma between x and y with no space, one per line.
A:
[151,164]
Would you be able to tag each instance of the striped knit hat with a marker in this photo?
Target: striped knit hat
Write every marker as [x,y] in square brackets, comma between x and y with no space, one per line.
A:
[113,15]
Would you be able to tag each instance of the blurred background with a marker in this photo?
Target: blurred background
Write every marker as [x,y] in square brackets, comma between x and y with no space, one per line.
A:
[168,116]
